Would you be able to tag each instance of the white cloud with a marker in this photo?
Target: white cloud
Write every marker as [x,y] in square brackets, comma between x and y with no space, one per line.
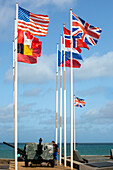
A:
[96,90]
[6,19]
[42,72]
[45,69]
[96,66]
[38,3]
[9,75]
[101,116]
[8,12]
[32,93]
[28,118]
[36,92]
[24,111]
[6,113]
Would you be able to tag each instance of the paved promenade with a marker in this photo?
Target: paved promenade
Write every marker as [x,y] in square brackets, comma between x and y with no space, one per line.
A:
[21,166]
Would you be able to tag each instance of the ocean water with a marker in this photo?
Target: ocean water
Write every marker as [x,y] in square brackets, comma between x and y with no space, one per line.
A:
[83,148]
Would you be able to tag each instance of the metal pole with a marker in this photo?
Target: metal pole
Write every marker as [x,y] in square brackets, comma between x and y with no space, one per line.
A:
[15,86]
[71,92]
[74,130]
[61,103]
[64,106]
[57,97]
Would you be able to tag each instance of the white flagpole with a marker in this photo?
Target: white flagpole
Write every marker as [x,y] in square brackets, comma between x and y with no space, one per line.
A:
[15,86]
[64,105]
[74,130]
[71,92]
[61,102]
[57,98]
[13,69]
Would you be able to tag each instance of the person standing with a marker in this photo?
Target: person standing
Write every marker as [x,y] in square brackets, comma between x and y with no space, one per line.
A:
[55,151]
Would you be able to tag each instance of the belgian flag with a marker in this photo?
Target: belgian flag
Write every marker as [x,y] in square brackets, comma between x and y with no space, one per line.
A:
[28,47]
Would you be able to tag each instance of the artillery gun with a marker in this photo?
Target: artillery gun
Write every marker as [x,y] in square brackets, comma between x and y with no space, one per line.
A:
[36,153]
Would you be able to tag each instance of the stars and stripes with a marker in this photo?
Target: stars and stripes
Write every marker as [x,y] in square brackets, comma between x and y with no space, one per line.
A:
[34,23]
[88,33]
[79,102]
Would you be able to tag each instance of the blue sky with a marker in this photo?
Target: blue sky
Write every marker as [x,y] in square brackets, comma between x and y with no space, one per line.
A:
[37,84]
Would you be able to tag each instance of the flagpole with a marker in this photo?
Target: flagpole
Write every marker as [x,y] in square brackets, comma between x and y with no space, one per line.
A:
[13,70]
[74,130]
[57,97]
[61,102]
[71,93]
[64,105]
[15,86]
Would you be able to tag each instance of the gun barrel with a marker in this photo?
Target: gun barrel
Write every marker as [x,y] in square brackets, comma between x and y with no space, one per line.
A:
[20,151]
[8,144]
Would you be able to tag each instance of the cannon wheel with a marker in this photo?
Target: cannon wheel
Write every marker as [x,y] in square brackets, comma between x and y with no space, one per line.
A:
[26,163]
[52,163]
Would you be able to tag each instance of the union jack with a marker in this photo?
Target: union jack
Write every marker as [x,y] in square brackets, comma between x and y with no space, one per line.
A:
[79,102]
[88,33]
[77,43]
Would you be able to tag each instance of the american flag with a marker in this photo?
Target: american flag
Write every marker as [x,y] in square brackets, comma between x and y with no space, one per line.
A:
[34,23]
[88,33]
[79,102]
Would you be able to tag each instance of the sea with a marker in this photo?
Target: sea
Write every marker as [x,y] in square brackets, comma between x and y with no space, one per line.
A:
[83,148]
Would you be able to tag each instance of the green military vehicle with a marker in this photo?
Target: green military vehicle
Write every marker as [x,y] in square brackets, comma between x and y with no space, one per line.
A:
[36,153]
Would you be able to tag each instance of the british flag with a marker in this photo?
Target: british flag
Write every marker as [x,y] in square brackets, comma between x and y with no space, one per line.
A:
[79,102]
[88,33]
[77,43]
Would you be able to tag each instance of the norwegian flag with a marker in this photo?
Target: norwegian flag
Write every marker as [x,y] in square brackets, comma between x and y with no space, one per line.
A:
[76,50]
[88,33]
[79,102]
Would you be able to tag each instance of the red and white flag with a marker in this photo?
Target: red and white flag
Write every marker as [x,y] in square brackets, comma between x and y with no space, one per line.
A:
[36,24]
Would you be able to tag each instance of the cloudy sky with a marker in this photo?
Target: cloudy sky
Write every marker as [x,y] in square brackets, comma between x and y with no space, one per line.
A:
[37,84]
